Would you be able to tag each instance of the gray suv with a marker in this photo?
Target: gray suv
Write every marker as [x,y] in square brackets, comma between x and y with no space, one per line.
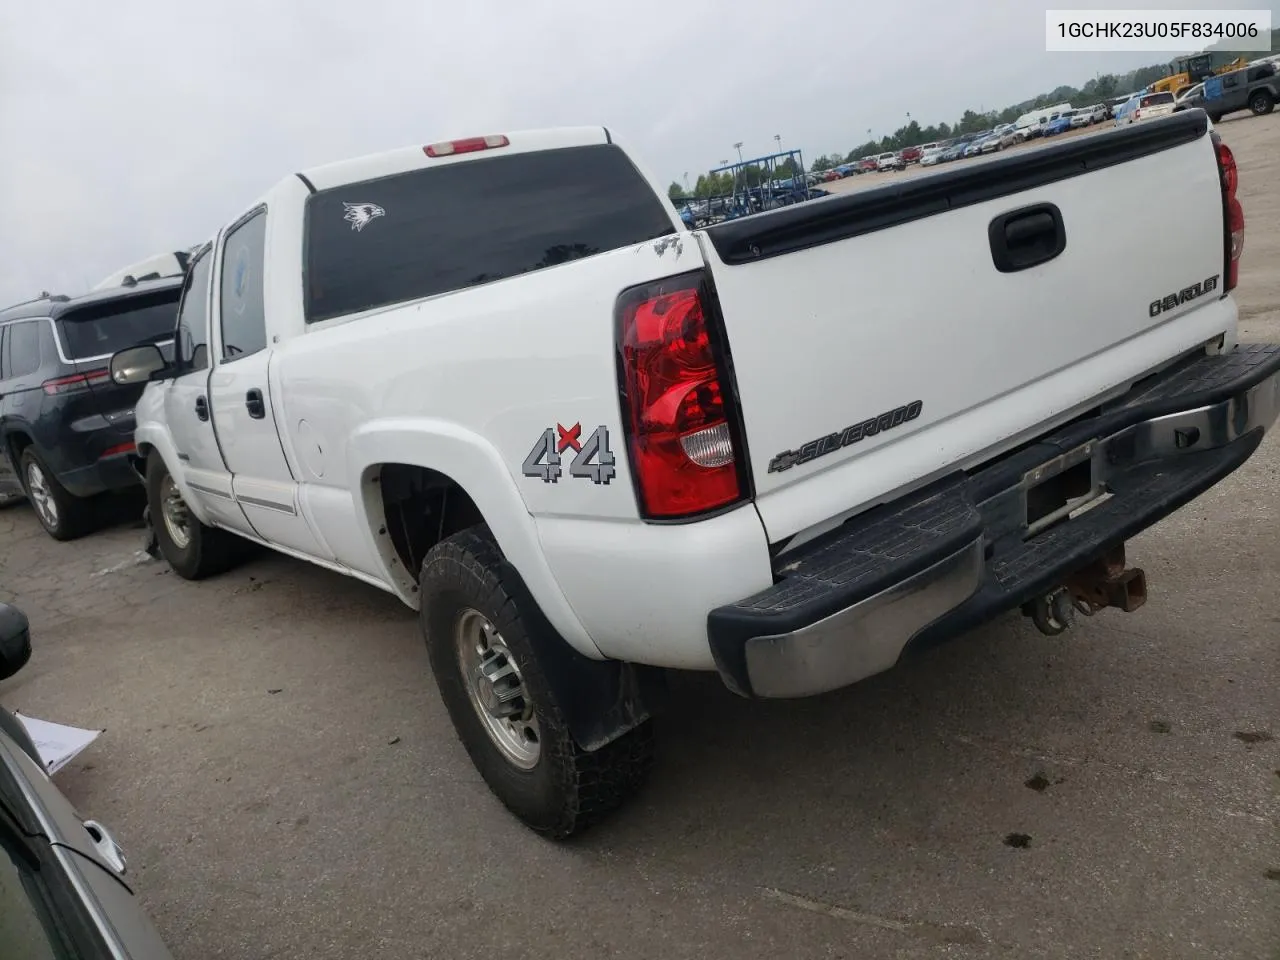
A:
[66,429]
[1256,89]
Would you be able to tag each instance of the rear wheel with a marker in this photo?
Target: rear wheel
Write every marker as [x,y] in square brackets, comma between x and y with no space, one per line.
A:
[192,549]
[501,704]
[1261,103]
[63,516]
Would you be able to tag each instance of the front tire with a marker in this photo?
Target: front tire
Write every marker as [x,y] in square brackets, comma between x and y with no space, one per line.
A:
[1261,103]
[63,516]
[192,549]
[501,704]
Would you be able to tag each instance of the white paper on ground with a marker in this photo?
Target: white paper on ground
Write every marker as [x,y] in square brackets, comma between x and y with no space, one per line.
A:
[57,743]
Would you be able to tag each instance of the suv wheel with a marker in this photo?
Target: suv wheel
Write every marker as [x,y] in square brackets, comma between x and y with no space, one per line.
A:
[63,516]
[1261,103]
[501,704]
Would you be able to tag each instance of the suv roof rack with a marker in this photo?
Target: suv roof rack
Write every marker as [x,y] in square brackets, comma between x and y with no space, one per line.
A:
[44,295]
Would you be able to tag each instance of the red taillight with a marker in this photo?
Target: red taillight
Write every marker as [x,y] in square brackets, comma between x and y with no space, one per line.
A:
[676,402]
[78,381]
[1233,226]
[448,148]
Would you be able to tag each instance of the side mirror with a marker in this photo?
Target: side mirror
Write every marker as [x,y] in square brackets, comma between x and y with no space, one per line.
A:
[137,364]
[15,640]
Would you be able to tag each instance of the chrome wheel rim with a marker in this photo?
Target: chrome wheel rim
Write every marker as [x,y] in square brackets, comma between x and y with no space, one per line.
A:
[496,689]
[177,519]
[42,495]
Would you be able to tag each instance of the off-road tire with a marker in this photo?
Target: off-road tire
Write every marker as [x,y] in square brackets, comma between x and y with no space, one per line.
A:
[568,789]
[1261,103]
[210,550]
[75,515]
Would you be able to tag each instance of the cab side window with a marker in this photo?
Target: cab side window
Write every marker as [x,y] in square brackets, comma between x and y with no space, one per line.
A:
[193,317]
[240,305]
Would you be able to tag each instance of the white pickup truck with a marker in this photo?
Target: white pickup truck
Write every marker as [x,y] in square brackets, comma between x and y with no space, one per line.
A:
[499,379]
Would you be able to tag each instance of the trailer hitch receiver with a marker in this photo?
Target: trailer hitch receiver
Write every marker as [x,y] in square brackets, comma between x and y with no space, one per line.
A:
[1107,582]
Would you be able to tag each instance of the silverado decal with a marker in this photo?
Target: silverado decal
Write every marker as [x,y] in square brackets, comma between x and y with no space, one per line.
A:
[1185,295]
[543,461]
[852,434]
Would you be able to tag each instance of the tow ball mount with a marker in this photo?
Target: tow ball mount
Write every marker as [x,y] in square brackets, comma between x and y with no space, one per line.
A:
[1106,582]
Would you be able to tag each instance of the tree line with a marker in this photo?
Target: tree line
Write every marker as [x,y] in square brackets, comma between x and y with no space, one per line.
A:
[1098,89]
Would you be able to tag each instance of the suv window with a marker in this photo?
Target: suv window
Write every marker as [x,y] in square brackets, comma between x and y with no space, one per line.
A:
[193,317]
[22,349]
[1156,98]
[244,324]
[102,329]
[463,224]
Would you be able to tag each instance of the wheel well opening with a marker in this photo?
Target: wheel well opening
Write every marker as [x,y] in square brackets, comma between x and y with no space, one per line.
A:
[13,445]
[420,508]
[17,443]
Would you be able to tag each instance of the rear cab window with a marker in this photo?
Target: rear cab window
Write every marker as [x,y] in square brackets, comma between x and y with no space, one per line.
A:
[468,223]
[97,331]
[1156,99]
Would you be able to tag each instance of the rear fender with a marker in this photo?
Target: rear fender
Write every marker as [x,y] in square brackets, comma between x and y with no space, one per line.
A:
[475,465]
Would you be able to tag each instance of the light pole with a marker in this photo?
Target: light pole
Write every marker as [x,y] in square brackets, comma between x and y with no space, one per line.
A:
[778,139]
[738,146]
[686,182]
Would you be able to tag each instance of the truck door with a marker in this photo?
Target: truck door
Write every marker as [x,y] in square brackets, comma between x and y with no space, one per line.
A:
[240,394]
[186,405]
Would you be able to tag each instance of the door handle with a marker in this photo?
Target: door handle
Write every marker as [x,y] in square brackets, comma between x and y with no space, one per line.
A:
[202,407]
[254,404]
[1026,237]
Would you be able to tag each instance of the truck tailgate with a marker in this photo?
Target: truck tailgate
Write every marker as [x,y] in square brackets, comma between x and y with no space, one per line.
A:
[880,322]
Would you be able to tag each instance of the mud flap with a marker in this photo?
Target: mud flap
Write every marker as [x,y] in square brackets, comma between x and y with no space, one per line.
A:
[150,543]
[600,699]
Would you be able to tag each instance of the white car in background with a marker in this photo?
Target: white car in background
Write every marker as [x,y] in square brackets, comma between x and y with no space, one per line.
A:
[890,161]
[1088,116]
[1145,106]
[931,156]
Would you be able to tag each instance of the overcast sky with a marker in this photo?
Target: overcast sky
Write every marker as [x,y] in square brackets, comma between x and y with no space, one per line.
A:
[132,127]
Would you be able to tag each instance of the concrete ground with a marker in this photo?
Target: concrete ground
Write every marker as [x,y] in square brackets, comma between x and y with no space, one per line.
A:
[279,767]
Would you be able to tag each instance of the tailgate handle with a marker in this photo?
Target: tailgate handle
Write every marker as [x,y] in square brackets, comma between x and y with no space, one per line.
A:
[1026,237]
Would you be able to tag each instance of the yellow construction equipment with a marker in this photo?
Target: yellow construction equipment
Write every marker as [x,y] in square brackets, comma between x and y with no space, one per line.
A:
[1192,69]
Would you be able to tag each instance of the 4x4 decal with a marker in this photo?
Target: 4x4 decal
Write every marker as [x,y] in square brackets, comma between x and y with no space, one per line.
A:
[593,460]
